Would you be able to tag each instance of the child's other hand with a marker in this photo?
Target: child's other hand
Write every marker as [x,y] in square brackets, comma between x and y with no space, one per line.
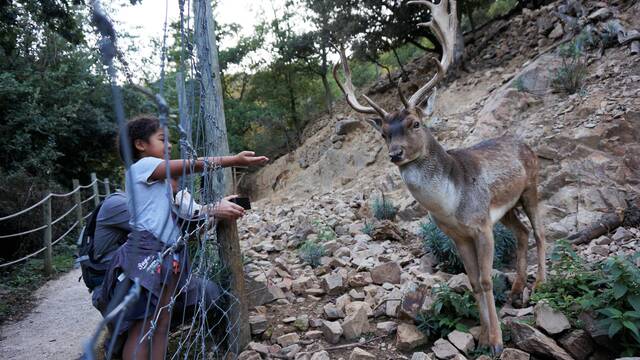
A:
[227,210]
[248,158]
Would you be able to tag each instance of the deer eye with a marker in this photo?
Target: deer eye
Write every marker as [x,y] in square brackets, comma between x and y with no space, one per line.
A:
[416,125]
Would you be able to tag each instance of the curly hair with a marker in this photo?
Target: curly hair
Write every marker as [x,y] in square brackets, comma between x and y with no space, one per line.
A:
[140,127]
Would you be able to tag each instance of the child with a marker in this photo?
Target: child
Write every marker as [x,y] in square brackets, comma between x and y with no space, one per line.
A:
[146,323]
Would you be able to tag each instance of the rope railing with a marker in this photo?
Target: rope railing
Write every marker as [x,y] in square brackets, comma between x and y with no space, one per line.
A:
[47,198]
[49,223]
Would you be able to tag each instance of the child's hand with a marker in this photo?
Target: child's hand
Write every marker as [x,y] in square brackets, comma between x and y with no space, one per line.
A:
[227,210]
[248,158]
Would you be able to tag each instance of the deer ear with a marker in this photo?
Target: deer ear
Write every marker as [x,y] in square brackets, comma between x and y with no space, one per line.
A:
[429,107]
[376,123]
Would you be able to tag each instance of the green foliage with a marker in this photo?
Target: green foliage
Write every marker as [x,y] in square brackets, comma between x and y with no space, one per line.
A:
[568,287]
[368,228]
[609,289]
[311,251]
[383,209]
[518,84]
[500,289]
[325,233]
[443,248]
[447,313]
[569,78]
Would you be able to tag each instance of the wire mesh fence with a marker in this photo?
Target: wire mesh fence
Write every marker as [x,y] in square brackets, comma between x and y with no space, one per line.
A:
[197,312]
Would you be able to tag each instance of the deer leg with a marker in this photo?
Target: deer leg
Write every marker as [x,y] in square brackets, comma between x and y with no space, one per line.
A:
[511,221]
[469,257]
[529,201]
[484,248]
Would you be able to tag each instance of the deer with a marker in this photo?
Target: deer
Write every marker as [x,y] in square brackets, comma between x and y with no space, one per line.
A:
[467,190]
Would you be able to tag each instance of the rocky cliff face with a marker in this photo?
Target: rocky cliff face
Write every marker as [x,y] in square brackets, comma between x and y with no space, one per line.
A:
[370,280]
[587,142]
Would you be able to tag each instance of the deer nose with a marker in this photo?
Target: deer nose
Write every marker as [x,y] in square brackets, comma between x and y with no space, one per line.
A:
[396,155]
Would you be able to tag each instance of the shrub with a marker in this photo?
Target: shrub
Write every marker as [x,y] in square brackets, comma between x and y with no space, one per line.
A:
[310,252]
[448,312]
[610,290]
[383,209]
[569,78]
[443,248]
[518,84]
[367,228]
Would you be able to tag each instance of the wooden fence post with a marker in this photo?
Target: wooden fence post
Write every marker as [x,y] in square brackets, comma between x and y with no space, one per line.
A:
[48,253]
[107,187]
[96,192]
[216,135]
[77,196]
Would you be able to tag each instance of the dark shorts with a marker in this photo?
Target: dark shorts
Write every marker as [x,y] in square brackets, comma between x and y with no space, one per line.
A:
[139,258]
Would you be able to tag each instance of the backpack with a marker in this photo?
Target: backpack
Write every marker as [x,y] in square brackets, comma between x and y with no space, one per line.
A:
[92,273]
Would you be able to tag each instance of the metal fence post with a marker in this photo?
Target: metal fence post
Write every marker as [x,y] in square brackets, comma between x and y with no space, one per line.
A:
[107,188]
[96,192]
[48,253]
[77,196]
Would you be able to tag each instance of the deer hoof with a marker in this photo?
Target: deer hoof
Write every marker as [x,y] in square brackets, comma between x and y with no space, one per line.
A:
[496,350]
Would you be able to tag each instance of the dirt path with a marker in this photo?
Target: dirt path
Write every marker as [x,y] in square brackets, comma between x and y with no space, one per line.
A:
[58,326]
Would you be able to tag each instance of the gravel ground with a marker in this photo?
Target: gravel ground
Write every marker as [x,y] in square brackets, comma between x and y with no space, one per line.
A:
[57,327]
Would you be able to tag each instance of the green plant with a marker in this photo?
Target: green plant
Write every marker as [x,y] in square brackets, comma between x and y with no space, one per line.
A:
[383,209]
[447,313]
[311,252]
[325,233]
[569,77]
[500,289]
[610,290]
[569,284]
[609,35]
[518,84]
[443,248]
[367,228]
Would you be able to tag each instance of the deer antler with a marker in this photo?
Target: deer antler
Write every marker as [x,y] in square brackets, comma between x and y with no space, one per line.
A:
[444,25]
[349,91]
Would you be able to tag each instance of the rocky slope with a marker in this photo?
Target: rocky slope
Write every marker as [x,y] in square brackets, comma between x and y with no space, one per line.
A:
[368,288]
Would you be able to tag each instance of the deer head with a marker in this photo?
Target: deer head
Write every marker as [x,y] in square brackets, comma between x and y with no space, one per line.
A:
[403,130]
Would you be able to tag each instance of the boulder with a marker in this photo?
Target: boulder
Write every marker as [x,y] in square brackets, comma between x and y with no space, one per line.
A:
[386,273]
[345,126]
[549,319]
[514,354]
[557,31]
[578,343]
[387,230]
[333,283]
[459,283]
[332,331]
[420,356]
[409,337]
[360,354]
[302,322]
[412,301]
[320,355]
[461,340]
[258,324]
[444,349]
[387,326]
[249,355]
[288,339]
[332,312]
[621,235]
[534,342]
[354,324]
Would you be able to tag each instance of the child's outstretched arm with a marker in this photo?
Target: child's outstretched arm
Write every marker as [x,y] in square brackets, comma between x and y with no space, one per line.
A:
[179,167]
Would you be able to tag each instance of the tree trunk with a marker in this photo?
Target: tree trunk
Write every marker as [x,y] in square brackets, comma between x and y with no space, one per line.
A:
[292,106]
[405,76]
[325,83]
